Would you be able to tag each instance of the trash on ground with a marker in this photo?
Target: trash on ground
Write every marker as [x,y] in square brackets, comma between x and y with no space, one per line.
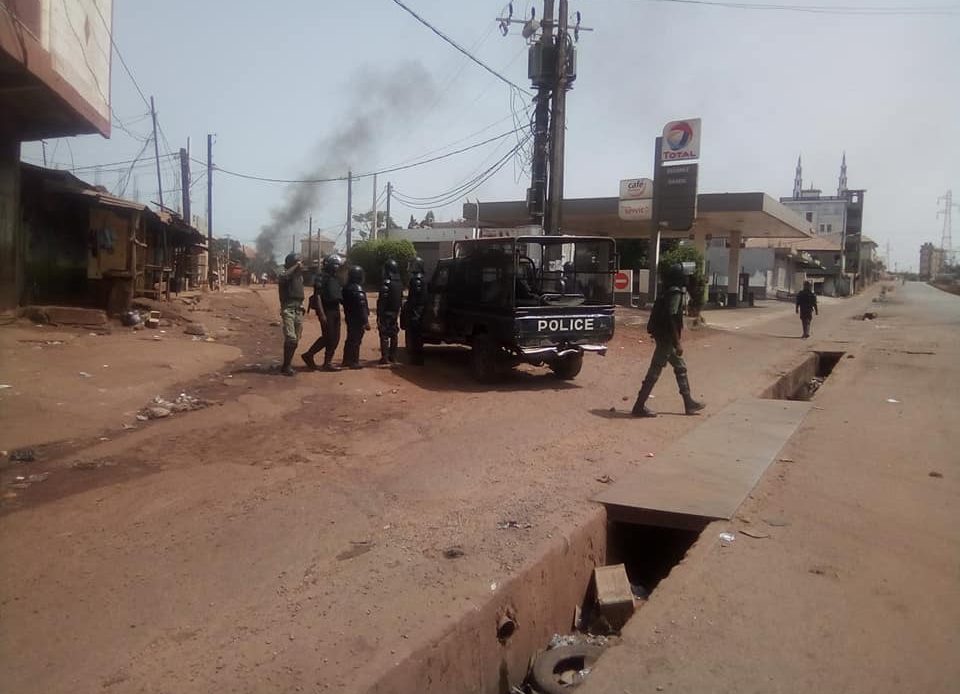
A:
[893,401]
[650,455]
[160,408]
[605,479]
[508,524]
[639,592]
[84,374]
[153,320]
[454,552]
[23,455]
[934,473]
[727,538]
[40,477]
[4,386]
[786,460]
[131,318]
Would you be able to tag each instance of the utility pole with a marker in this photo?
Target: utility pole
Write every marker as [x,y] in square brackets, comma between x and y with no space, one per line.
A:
[210,210]
[373,224]
[156,152]
[310,241]
[185,183]
[349,210]
[386,221]
[539,166]
[946,240]
[558,121]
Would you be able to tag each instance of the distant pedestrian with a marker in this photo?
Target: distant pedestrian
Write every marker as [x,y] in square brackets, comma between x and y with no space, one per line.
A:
[666,327]
[389,303]
[412,312]
[291,308]
[356,313]
[806,307]
[326,301]
[263,278]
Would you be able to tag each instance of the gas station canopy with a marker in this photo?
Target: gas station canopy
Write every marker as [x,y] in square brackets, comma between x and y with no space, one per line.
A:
[754,215]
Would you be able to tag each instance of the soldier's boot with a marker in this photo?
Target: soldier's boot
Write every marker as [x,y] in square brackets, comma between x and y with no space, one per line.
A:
[307,356]
[393,350]
[640,408]
[384,351]
[690,406]
[288,351]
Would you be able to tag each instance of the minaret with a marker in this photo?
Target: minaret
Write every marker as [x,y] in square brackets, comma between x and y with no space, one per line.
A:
[798,181]
[842,185]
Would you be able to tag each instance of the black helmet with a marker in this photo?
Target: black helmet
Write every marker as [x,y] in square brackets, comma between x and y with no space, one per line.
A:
[355,275]
[292,260]
[416,266]
[332,263]
[390,268]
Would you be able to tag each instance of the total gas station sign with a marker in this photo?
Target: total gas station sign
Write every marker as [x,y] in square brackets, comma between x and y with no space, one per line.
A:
[681,140]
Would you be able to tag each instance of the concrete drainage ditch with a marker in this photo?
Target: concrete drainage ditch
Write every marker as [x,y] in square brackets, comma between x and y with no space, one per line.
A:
[543,629]
[804,380]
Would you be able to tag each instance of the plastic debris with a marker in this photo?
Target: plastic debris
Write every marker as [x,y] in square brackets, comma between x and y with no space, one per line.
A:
[513,524]
[23,455]
[84,374]
[4,386]
[893,401]
[727,538]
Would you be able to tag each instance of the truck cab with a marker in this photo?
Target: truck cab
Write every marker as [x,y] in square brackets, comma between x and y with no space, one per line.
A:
[542,300]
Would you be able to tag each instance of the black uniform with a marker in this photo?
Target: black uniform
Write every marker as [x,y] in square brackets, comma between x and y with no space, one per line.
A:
[412,314]
[389,303]
[326,300]
[357,315]
[806,306]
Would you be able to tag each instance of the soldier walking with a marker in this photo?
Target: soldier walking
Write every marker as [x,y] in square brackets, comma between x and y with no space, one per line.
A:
[666,327]
[413,312]
[357,315]
[291,308]
[806,307]
[326,300]
[389,303]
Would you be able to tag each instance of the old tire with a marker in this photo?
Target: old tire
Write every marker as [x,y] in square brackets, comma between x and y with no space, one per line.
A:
[566,368]
[551,664]
[483,359]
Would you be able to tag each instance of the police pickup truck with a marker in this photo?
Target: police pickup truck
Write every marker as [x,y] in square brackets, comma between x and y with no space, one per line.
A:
[542,300]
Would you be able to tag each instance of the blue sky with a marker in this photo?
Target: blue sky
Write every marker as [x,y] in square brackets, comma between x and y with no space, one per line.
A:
[274,81]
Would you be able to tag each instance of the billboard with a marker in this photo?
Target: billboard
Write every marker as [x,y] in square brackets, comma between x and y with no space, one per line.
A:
[636,189]
[681,140]
[636,210]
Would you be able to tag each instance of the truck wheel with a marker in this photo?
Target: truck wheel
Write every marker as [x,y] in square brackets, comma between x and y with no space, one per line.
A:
[566,368]
[483,359]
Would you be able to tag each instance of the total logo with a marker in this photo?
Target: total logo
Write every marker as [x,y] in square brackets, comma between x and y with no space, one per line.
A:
[681,140]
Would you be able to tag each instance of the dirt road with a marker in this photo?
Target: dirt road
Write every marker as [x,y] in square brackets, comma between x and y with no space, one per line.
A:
[292,538]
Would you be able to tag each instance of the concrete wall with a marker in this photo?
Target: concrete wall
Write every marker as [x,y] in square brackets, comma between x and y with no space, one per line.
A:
[11,238]
[830,214]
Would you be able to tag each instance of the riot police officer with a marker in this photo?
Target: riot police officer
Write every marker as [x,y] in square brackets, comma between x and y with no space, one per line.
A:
[389,303]
[412,312]
[666,327]
[326,300]
[291,308]
[356,312]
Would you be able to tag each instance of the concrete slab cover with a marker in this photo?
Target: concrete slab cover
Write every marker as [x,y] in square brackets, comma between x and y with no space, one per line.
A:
[707,474]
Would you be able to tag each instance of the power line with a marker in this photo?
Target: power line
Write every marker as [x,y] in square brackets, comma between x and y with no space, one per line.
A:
[866,10]
[123,62]
[461,48]
[392,169]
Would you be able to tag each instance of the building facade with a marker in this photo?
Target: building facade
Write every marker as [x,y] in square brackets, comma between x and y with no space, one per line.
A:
[931,261]
[54,82]
[840,214]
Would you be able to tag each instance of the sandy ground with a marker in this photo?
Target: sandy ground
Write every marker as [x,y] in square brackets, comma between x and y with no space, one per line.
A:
[854,587]
[291,538]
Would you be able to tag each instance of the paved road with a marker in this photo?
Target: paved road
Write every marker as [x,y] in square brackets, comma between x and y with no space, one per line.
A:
[855,589]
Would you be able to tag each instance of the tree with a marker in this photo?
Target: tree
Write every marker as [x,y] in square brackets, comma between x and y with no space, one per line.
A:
[372,254]
[365,230]
[428,220]
[697,283]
